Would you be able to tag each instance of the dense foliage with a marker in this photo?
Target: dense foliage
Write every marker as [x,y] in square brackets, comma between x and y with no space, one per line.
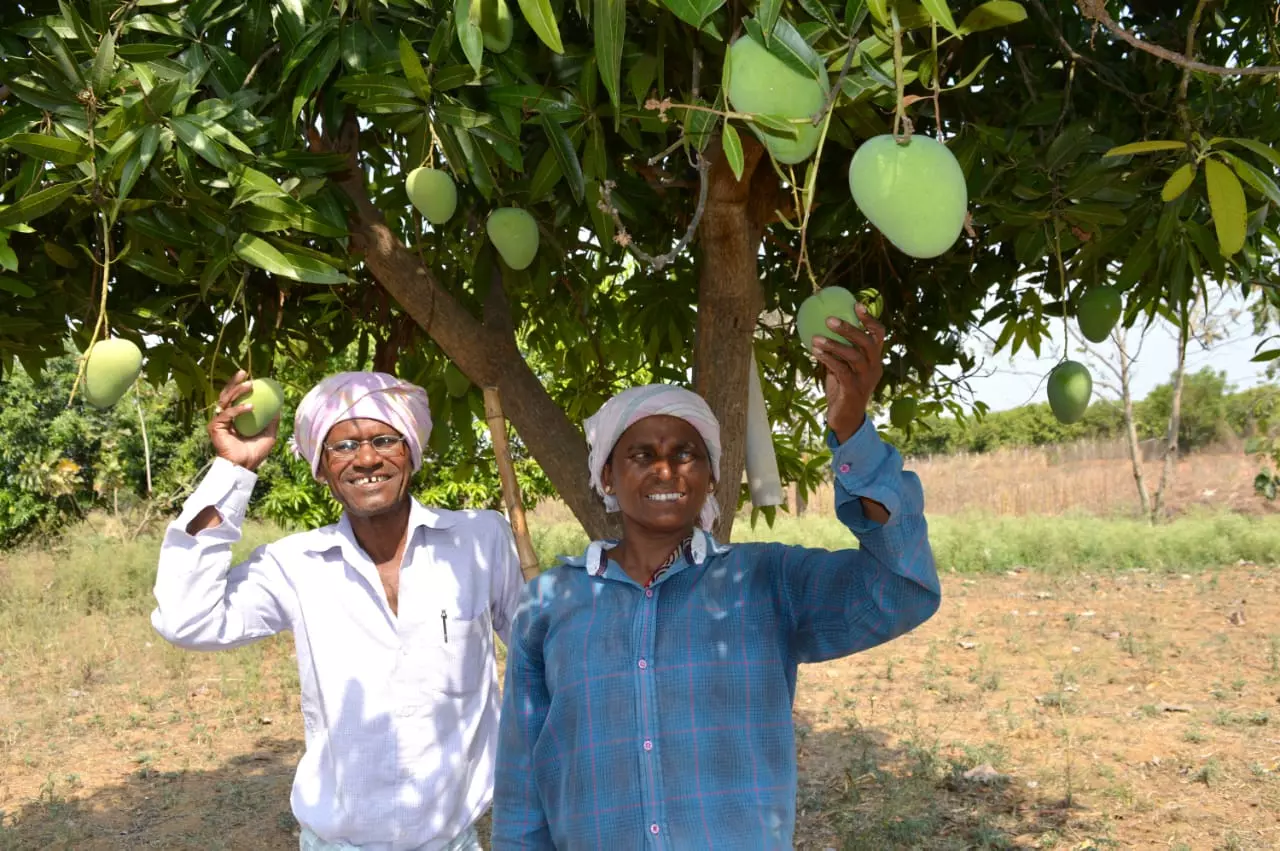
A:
[232,171]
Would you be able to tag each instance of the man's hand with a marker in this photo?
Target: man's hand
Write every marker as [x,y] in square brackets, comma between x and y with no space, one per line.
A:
[853,371]
[248,452]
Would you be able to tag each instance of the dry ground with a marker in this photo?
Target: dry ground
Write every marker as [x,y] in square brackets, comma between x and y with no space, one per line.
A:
[1132,710]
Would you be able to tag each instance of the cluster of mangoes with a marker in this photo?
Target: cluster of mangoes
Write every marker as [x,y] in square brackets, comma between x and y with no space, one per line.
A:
[512,230]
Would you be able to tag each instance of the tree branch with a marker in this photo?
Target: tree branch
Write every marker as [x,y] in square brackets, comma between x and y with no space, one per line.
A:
[1096,10]
[486,354]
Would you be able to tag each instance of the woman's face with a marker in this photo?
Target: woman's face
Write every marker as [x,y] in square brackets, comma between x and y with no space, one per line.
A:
[660,473]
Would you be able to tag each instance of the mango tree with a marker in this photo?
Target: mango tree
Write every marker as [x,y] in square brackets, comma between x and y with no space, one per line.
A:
[227,182]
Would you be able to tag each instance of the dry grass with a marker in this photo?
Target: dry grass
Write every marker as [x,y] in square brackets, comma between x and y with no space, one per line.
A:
[1087,478]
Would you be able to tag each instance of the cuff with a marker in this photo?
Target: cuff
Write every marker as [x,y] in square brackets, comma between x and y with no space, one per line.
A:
[226,487]
[865,466]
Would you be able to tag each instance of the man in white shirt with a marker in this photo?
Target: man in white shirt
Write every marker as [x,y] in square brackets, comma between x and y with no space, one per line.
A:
[393,611]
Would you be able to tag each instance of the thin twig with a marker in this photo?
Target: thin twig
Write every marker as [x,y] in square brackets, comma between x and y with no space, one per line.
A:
[624,239]
[1184,113]
[1096,10]
[253,72]
[835,90]
[1101,72]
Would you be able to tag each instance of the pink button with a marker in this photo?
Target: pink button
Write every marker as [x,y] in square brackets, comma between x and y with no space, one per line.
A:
[643,664]
[648,592]
[653,828]
[844,468]
[648,745]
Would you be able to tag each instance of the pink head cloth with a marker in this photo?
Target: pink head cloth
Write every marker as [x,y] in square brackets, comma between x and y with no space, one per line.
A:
[361,395]
[615,416]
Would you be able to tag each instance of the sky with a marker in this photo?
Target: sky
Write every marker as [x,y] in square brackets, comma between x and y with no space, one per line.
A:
[1005,383]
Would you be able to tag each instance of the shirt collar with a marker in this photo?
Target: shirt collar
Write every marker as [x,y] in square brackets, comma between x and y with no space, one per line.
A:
[698,549]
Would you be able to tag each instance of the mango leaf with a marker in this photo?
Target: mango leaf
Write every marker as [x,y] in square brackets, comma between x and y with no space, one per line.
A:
[565,155]
[53,149]
[8,257]
[938,10]
[641,76]
[732,145]
[104,64]
[470,36]
[413,70]
[256,251]
[36,204]
[1178,182]
[790,46]
[767,14]
[543,21]
[1207,248]
[879,10]
[776,126]
[1265,186]
[1266,152]
[1226,202]
[18,288]
[545,176]
[194,138]
[993,14]
[968,78]
[693,12]
[1145,147]
[610,34]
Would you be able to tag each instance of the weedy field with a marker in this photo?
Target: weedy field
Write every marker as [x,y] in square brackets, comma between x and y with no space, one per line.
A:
[1089,682]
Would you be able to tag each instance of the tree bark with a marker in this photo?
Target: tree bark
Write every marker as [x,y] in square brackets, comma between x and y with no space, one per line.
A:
[486,353]
[1171,437]
[1130,427]
[730,299]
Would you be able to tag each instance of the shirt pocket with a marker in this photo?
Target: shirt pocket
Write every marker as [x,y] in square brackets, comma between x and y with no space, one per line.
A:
[454,655]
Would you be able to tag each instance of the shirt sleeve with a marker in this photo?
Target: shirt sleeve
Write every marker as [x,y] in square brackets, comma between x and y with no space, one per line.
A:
[845,601]
[519,818]
[203,602]
[507,581]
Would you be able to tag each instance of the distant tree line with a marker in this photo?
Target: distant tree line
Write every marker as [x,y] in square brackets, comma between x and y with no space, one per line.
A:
[1213,411]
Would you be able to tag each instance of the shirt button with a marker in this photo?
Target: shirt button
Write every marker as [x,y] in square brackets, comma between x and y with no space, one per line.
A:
[844,468]
[648,745]
[653,828]
[643,664]
[648,592]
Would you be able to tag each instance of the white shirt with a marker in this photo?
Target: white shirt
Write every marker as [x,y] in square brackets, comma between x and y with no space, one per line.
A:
[401,712]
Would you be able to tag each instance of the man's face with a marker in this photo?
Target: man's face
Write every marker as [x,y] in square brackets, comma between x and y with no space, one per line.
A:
[660,473]
[367,482]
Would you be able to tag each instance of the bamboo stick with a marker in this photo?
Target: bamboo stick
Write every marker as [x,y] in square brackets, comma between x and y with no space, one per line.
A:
[510,486]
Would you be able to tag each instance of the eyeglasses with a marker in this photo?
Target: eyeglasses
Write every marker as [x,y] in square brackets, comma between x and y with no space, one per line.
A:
[383,444]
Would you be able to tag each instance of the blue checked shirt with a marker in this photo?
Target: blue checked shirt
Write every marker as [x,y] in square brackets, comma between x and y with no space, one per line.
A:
[660,717]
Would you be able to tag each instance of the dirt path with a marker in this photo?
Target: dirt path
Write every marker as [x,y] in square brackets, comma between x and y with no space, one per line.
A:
[1133,711]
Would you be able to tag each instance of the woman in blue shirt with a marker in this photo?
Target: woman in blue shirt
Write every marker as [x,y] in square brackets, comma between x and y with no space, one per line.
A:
[650,681]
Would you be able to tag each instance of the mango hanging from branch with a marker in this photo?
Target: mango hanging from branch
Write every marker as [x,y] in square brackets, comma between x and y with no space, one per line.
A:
[913,192]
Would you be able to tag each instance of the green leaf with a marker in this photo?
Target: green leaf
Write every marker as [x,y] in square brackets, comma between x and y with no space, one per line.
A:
[1226,201]
[1178,182]
[971,76]
[777,126]
[1208,249]
[470,36]
[1265,186]
[788,45]
[609,31]
[767,14]
[732,145]
[1266,152]
[641,76]
[193,137]
[545,176]
[256,251]
[54,149]
[693,12]
[37,204]
[993,14]
[1146,147]
[8,257]
[565,155]
[104,64]
[543,21]
[413,70]
[879,10]
[18,288]
[938,10]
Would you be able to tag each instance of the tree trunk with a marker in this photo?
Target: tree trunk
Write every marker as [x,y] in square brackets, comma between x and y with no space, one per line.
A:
[730,299]
[1171,436]
[1130,427]
[486,353]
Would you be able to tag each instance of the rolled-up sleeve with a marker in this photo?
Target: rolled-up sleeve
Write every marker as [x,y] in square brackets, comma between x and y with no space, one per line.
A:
[203,601]
[840,602]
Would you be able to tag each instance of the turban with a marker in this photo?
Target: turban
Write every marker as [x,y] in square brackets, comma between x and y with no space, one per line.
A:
[606,426]
[361,395]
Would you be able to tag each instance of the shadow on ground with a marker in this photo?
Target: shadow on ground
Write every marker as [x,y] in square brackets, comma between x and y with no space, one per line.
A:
[855,793]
